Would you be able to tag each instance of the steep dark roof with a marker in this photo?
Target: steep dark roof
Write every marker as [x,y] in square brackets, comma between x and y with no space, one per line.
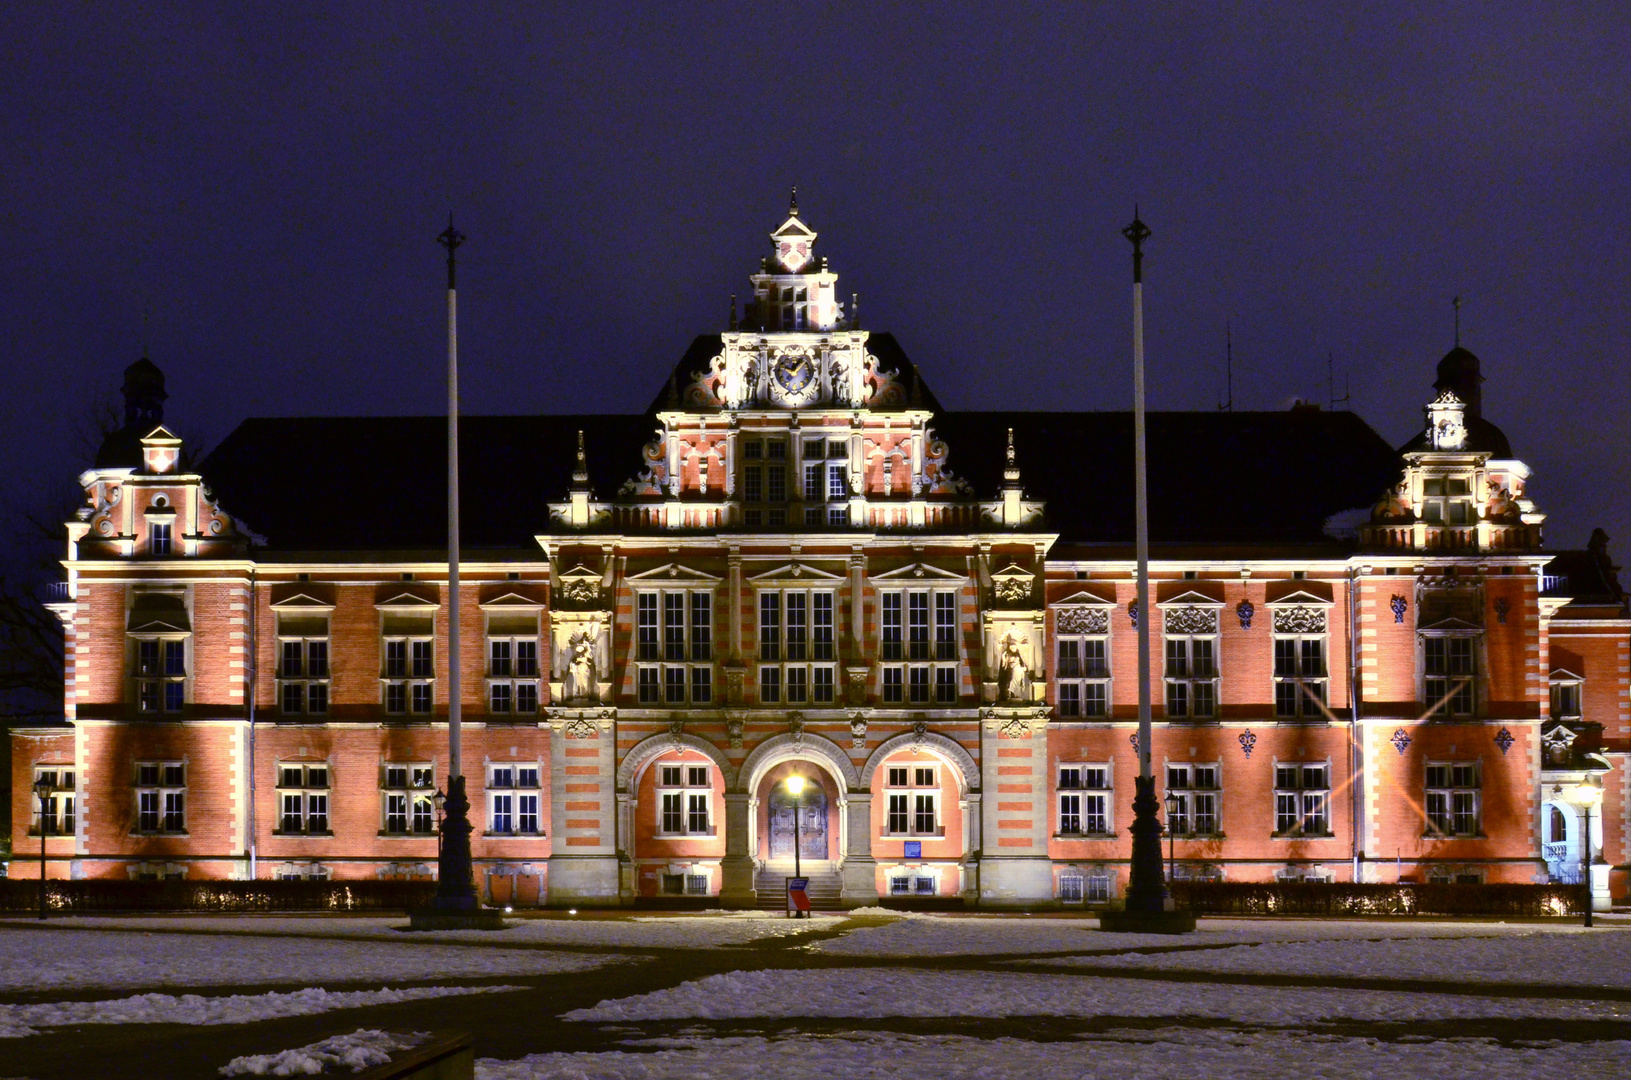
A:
[1215,477]
[376,483]
[1588,576]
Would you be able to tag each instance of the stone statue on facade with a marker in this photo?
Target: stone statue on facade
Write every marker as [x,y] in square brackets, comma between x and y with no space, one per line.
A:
[1013,674]
[580,669]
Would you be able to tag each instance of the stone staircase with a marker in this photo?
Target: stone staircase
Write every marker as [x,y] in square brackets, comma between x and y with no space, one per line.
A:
[825,886]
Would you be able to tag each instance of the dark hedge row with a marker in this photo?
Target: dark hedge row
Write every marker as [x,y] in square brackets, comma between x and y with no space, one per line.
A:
[1341,899]
[64,896]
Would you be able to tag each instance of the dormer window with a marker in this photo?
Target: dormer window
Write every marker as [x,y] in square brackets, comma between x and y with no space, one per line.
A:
[158,539]
[1447,500]
[1565,699]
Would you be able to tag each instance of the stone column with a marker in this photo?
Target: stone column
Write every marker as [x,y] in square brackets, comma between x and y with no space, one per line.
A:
[736,886]
[860,873]
[1015,867]
[583,864]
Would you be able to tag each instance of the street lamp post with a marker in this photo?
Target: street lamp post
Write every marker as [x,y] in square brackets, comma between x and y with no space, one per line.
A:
[1171,802]
[795,788]
[42,789]
[1586,795]
[438,800]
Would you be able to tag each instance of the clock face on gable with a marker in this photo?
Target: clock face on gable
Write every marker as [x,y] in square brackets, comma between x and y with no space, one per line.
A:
[794,373]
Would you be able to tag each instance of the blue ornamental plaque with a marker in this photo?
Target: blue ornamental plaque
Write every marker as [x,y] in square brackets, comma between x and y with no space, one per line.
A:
[914,849]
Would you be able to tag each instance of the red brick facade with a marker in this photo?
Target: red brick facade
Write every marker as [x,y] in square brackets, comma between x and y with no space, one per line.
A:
[794,581]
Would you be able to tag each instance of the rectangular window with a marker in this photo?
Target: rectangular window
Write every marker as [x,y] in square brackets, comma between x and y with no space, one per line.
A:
[775,481]
[161,796]
[1191,675]
[821,626]
[1082,673]
[685,799]
[837,486]
[796,639]
[302,792]
[1448,665]
[1454,794]
[770,626]
[685,672]
[753,483]
[1084,799]
[1566,700]
[1302,795]
[161,674]
[410,665]
[813,485]
[303,675]
[1197,790]
[770,685]
[920,626]
[158,539]
[512,664]
[913,799]
[1299,675]
[512,798]
[57,818]
[797,626]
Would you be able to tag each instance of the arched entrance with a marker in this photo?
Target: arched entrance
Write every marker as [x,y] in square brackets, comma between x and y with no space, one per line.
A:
[803,821]
[1560,841]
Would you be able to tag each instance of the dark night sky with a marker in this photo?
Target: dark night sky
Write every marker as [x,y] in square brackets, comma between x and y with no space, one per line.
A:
[262,191]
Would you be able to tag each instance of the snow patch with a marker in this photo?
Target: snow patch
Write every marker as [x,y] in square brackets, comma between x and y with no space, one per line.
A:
[362,1049]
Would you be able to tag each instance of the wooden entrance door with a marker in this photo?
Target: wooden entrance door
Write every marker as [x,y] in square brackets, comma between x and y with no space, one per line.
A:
[812,829]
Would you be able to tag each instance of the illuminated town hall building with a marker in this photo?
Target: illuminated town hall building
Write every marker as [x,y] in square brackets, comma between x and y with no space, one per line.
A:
[796,562]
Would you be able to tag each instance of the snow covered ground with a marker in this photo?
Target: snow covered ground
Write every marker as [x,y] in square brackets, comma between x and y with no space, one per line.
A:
[362,1049]
[872,993]
[1528,955]
[1159,1054]
[984,935]
[17,1021]
[699,931]
[109,959]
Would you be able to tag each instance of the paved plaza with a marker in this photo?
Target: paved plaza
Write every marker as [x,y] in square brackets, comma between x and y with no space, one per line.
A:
[870,994]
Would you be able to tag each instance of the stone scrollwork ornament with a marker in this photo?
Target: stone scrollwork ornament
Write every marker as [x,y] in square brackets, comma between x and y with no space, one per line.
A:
[1301,619]
[1082,620]
[1017,728]
[795,726]
[1190,619]
[733,731]
[920,728]
[676,731]
[581,728]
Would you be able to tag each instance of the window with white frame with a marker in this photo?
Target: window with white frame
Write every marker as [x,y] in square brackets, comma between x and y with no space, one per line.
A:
[56,817]
[1191,636]
[513,792]
[407,794]
[826,489]
[1082,673]
[1198,792]
[1077,886]
[302,791]
[685,884]
[1566,699]
[1448,669]
[1300,648]
[410,665]
[161,673]
[918,645]
[1454,792]
[912,800]
[301,871]
[303,671]
[512,664]
[1084,799]
[911,882]
[685,800]
[161,797]
[797,647]
[1302,799]
[159,543]
[1447,500]
[674,630]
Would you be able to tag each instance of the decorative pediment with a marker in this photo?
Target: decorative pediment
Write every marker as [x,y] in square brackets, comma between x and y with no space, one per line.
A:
[1563,674]
[302,602]
[579,586]
[1299,596]
[1012,584]
[1299,618]
[1190,618]
[919,571]
[1557,744]
[406,601]
[511,601]
[159,613]
[1082,619]
[1452,625]
[1190,597]
[671,572]
[796,571]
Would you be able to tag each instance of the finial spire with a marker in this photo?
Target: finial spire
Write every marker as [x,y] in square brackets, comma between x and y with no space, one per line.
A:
[450,238]
[733,311]
[1010,472]
[1137,232]
[793,202]
[1456,303]
[580,470]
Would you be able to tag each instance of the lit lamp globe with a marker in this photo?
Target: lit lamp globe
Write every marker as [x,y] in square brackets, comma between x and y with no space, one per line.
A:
[795,785]
[1586,795]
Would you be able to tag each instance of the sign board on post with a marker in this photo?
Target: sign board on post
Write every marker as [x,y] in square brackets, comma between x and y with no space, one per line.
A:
[914,849]
[798,896]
